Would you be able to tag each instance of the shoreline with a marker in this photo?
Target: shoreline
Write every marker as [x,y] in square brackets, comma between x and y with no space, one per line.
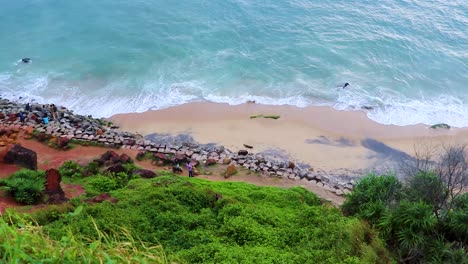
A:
[321,136]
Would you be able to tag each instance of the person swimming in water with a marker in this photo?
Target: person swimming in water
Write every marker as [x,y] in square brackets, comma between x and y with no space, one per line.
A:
[26,60]
[346,85]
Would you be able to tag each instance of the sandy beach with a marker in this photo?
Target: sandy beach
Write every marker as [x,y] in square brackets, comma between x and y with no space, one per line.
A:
[325,138]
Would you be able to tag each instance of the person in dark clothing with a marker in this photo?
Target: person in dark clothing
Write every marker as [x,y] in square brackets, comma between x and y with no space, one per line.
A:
[21,117]
[28,107]
[190,169]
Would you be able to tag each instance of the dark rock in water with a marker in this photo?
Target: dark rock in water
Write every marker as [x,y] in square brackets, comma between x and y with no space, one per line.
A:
[441,125]
[145,173]
[21,156]
[366,107]
[243,152]
[248,146]
[26,60]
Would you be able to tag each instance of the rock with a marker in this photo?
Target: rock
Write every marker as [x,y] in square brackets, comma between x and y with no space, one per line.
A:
[226,161]
[145,173]
[21,156]
[230,170]
[116,168]
[291,165]
[210,162]
[53,189]
[163,158]
[2,115]
[124,158]
[242,152]
[62,142]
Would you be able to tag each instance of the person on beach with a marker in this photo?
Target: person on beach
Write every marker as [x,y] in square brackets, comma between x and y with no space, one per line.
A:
[190,169]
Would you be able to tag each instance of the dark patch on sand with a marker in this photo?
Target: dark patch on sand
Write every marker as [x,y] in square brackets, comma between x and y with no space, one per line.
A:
[341,142]
[385,152]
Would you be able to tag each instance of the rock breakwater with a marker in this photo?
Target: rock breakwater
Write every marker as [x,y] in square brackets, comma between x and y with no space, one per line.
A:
[64,126]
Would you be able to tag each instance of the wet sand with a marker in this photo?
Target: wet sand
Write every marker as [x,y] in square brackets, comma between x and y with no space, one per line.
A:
[323,137]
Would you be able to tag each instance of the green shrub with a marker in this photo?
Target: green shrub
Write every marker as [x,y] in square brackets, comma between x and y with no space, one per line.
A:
[26,186]
[225,222]
[372,196]
[102,183]
[91,169]
[71,169]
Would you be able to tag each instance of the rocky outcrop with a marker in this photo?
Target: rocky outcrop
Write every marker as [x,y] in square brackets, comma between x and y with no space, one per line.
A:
[21,156]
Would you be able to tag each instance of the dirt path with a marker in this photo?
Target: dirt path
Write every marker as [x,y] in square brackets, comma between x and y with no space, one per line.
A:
[53,158]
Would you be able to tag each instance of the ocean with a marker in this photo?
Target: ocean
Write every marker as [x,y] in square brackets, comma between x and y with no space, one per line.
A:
[406,59]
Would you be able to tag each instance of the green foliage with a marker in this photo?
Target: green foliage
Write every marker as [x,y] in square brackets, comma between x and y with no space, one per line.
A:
[26,186]
[71,169]
[91,169]
[21,241]
[226,222]
[409,217]
[372,196]
[100,184]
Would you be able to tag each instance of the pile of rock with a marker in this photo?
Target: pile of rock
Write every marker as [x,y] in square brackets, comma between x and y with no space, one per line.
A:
[67,125]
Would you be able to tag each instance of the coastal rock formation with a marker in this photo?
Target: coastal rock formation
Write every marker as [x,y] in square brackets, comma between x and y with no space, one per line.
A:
[21,156]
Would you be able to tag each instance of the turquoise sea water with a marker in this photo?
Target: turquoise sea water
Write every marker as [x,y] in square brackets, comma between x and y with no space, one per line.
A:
[406,58]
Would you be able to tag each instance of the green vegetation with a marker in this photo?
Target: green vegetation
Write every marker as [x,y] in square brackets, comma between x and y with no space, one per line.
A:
[26,186]
[417,220]
[265,116]
[22,241]
[220,222]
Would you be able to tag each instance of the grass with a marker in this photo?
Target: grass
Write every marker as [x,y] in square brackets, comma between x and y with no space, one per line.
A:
[23,241]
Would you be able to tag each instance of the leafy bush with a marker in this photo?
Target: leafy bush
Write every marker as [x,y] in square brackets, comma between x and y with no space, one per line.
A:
[26,186]
[91,169]
[372,196]
[102,183]
[413,219]
[71,169]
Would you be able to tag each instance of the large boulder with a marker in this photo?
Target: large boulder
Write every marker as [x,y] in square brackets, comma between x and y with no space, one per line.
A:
[145,173]
[116,168]
[62,142]
[21,156]
[230,170]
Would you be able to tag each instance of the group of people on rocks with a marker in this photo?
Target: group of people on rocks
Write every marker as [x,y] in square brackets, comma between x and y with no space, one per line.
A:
[47,112]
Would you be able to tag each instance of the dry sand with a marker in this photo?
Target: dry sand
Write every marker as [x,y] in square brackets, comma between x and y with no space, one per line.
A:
[323,137]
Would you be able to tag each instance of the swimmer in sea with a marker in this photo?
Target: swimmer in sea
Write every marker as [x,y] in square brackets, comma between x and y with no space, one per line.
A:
[345,85]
